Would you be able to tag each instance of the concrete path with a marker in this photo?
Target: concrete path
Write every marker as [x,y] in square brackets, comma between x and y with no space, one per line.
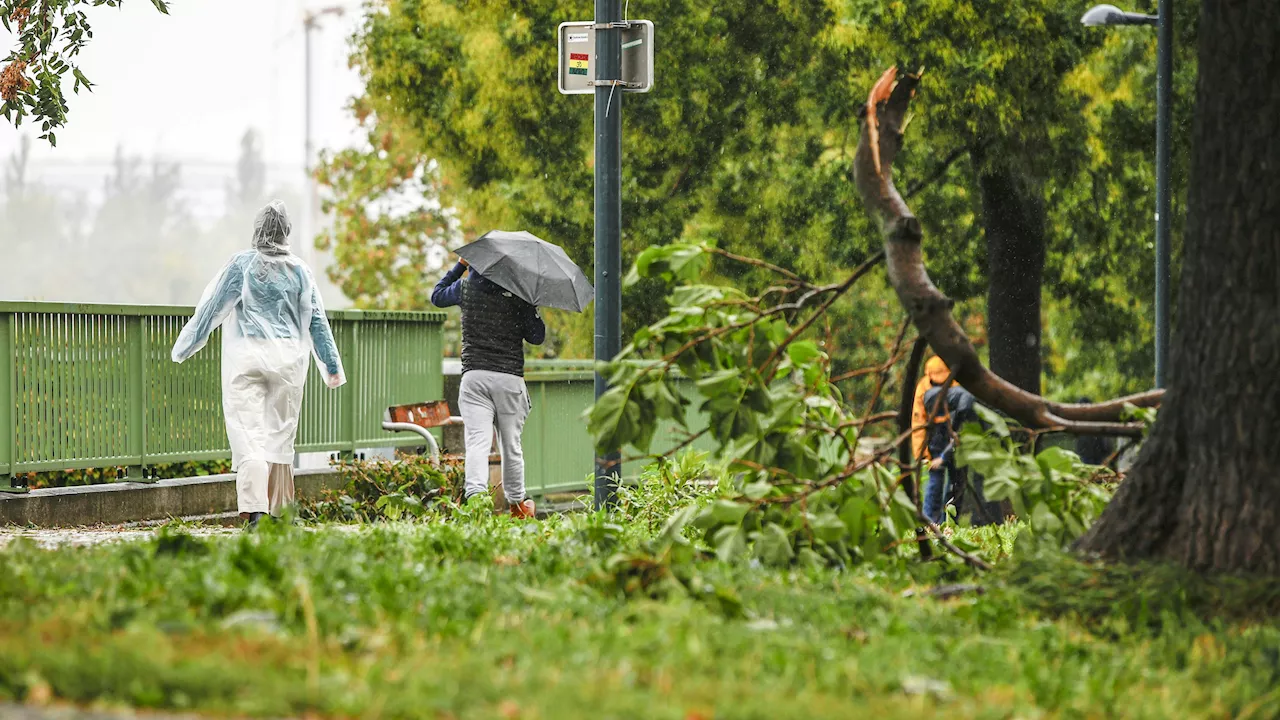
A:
[134,532]
[80,537]
[31,712]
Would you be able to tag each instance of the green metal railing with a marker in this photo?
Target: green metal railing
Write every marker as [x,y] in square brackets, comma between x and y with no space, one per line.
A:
[558,451]
[84,386]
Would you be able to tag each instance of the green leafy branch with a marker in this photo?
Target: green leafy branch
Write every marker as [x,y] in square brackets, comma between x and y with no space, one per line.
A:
[812,483]
[1053,491]
[761,382]
[50,34]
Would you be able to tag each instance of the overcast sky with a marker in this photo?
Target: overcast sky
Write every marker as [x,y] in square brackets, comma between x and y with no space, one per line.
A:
[186,86]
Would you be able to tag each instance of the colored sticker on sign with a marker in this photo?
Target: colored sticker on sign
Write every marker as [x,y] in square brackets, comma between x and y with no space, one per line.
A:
[578,63]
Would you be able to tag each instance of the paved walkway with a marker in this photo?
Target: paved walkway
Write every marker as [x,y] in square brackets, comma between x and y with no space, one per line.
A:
[86,536]
[80,537]
[26,712]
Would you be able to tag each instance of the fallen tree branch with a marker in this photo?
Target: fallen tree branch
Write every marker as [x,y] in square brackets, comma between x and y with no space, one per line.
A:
[879,141]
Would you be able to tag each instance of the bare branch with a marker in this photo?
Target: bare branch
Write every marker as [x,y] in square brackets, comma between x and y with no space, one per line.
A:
[760,264]
[938,173]
[836,292]
[883,375]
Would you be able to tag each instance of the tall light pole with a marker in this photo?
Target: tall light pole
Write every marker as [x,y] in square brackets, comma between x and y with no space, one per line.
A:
[310,21]
[608,211]
[1107,15]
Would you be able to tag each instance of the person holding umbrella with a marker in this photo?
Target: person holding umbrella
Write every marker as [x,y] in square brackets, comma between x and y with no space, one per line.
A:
[511,275]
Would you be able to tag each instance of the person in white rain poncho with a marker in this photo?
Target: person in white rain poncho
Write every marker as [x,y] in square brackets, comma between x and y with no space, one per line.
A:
[273,322]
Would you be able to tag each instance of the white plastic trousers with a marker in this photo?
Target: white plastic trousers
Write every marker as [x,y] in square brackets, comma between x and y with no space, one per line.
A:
[264,487]
[262,399]
[489,399]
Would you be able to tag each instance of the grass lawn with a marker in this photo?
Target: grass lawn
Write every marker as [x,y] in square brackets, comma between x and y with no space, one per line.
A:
[477,617]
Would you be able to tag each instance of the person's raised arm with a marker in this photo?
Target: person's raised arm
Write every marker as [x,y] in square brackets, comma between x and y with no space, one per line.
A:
[448,292]
[215,304]
[328,361]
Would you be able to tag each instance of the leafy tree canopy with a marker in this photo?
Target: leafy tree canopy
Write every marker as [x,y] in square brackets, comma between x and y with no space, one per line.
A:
[747,140]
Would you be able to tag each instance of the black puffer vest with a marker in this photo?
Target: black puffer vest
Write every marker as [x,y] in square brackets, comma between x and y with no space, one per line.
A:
[493,325]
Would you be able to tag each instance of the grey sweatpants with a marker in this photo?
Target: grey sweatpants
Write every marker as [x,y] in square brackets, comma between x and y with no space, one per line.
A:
[489,399]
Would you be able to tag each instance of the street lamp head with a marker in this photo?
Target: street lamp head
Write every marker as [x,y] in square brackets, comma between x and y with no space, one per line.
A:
[1100,15]
[1104,15]
[310,17]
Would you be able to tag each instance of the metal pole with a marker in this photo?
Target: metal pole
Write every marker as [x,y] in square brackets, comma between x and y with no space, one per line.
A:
[308,24]
[608,128]
[1164,103]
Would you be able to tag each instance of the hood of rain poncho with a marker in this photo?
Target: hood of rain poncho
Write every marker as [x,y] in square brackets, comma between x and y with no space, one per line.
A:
[271,228]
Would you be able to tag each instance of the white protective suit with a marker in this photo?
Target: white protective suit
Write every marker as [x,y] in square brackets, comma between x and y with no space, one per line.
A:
[273,323]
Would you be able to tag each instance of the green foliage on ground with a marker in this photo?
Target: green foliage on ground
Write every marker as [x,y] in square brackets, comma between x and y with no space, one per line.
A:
[1057,494]
[468,614]
[410,487]
[816,480]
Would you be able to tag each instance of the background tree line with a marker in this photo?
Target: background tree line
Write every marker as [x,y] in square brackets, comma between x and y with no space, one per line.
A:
[141,243]
[1032,157]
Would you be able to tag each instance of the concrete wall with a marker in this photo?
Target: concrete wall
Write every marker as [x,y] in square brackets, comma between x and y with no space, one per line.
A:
[118,503]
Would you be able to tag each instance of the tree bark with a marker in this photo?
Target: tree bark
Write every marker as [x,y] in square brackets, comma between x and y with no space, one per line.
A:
[1205,491]
[1014,220]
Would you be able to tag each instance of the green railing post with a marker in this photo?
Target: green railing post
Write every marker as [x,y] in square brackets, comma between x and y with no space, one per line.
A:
[8,419]
[348,421]
[136,390]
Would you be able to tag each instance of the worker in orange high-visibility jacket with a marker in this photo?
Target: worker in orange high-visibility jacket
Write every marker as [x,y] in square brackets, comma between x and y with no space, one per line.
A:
[936,373]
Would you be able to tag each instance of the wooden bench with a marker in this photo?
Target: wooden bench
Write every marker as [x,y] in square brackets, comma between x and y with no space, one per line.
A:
[421,418]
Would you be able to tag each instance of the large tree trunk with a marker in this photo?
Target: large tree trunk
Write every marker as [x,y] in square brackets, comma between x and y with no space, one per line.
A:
[1014,220]
[1206,490]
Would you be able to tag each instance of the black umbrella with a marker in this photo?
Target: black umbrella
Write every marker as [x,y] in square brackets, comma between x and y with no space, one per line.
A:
[530,268]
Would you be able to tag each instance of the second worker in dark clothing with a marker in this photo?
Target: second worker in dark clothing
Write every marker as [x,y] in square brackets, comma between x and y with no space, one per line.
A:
[495,326]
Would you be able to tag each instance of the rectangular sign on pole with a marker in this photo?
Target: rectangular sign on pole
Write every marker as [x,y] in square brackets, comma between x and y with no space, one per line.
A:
[577,57]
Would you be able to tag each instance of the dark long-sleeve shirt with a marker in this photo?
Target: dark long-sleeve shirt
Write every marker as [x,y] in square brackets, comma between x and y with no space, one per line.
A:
[495,323]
